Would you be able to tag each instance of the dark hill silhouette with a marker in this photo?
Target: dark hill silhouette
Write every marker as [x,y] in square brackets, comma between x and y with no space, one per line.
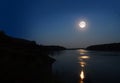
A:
[7,41]
[105,47]
[22,60]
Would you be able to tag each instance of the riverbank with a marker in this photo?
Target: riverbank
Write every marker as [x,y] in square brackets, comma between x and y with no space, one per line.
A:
[23,60]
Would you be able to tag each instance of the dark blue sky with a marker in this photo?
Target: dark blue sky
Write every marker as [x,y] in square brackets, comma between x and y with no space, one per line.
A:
[55,22]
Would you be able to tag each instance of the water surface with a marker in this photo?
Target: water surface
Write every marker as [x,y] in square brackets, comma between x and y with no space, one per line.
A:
[82,66]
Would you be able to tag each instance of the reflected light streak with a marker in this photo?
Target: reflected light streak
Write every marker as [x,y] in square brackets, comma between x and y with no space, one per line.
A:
[81,81]
[82,75]
[84,57]
[82,51]
[82,64]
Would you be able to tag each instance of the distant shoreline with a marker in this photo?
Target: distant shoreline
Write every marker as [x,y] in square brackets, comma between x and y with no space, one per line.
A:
[105,47]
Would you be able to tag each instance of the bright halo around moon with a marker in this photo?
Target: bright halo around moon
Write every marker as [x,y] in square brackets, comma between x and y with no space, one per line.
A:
[82,24]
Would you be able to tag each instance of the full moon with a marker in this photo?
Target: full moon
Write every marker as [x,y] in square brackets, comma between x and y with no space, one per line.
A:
[82,24]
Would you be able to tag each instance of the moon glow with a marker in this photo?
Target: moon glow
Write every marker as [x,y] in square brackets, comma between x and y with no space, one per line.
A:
[82,24]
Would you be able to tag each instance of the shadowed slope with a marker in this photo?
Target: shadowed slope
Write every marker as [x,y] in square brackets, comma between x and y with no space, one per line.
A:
[22,60]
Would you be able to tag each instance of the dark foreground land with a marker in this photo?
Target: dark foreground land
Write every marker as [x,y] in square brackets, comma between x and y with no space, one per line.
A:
[25,61]
[105,47]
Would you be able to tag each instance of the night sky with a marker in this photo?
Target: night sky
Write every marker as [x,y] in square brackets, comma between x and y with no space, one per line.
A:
[56,22]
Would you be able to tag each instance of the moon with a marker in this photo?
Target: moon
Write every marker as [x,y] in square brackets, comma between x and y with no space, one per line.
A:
[82,24]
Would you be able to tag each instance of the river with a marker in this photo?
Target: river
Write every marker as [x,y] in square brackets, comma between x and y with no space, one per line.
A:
[82,66]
